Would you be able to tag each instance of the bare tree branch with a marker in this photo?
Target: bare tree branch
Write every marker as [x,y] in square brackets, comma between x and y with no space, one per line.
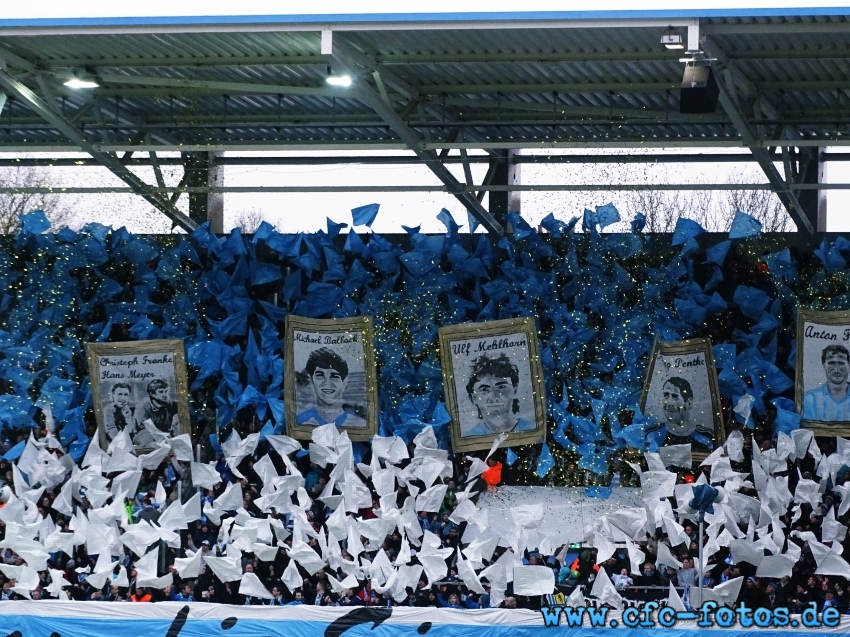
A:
[249,220]
[763,205]
[12,206]
[713,210]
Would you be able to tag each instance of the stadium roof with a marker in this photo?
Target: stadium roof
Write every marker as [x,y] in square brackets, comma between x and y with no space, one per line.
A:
[423,82]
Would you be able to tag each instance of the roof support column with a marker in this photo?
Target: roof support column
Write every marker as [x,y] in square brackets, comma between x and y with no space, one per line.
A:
[202,170]
[729,81]
[782,189]
[506,172]
[369,96]
[811,169]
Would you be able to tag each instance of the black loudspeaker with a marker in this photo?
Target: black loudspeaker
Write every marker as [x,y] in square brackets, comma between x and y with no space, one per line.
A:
[699,90]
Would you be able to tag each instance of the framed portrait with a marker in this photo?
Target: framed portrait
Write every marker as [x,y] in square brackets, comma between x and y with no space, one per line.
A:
[681,393]
[136,381]
[330,376]
[823,371]
[493,382]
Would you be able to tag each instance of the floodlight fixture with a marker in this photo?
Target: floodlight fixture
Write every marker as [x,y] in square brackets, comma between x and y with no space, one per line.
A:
[672,40]
[339,80]
[80,83]
[82,79]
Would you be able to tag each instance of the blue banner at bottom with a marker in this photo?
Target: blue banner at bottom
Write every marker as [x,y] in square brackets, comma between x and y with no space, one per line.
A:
[172,619]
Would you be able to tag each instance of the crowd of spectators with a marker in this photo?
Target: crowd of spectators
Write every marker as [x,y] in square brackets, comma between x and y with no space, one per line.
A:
[573,566]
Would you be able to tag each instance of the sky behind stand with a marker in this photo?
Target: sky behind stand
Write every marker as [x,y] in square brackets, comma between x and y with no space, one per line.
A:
[307,212]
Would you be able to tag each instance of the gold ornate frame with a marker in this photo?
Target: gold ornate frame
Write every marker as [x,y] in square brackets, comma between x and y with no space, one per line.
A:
[175,347]
[365,326]
[690,346]
[821,317]
[493,328]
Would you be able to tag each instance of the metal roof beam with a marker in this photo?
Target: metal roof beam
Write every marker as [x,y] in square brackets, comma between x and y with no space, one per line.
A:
[162,88]
[648,158]
[384,61]
[786,28]
[227,87]
[588,141]
[740,78]
[81,112]
[154,161]
[94,102]
[178,191]
[444,153]
[467,169]
[135,122]
[653,158]
[346,49]
[47,93]
[592,115]
[763,157]
[109,161]
[484,188]
[488,179]
[806,85]
[370,97]
[276,26]
[577,111]
[186,61]
[128,156]
[16,61]
[484,122]
[733,76]
[430,158]
[103,130]
[549,88]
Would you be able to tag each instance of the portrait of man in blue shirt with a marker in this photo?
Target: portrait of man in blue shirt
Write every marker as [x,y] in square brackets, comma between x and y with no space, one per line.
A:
[830,401]
[327,373]
[492,388]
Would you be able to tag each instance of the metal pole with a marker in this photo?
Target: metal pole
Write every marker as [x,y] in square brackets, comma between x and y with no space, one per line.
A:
[699,571]
[198,460]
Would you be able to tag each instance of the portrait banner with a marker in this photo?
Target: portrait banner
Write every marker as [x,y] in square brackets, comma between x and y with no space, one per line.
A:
[137,381]
[681,394]
[330,376]
[493,383]
[823,371]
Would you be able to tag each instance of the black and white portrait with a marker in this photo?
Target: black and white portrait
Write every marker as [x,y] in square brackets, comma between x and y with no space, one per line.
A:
[823,371]
[120,414]
[493,382]
[136,386]
[330,376]
[497,401]
[681,395]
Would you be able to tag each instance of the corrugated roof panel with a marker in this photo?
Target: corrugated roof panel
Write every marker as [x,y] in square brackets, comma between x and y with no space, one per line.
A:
[641,78]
